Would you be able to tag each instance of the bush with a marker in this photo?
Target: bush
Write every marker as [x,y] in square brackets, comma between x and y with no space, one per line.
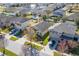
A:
[45,17]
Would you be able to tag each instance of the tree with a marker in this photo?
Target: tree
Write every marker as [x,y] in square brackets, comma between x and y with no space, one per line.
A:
[17,5]
[17,14]
[24,15]
[45,17]
[48,12]
[56,19]
[70,11]
[12,5]
[64,19]
[75,50]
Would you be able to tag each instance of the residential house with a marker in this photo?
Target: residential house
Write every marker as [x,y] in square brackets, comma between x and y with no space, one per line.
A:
[20,23]
[42,29]
[62,28]
[73,16]
[12,10]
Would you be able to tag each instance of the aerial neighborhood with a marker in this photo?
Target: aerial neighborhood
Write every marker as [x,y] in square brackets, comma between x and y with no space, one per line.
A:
[39,29]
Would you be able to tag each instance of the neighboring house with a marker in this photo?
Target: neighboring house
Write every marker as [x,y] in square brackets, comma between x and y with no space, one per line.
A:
[59,28]
[24,11]
[42,28]
[20,23]
[4,20]
[58,13]
[12,10]
[73,16]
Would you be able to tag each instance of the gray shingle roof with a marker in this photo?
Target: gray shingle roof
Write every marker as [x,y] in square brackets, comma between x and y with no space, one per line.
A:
[12,19]
[42,27]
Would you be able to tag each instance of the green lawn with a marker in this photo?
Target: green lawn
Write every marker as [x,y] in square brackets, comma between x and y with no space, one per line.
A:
[46,40]
[45,36]
[34,46]
[13,38]
[7,52]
